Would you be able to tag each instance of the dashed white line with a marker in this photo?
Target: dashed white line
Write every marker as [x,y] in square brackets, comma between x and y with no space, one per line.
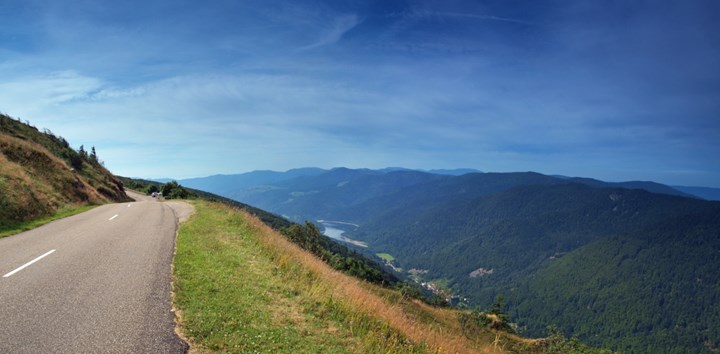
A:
[27,264]
[116,215]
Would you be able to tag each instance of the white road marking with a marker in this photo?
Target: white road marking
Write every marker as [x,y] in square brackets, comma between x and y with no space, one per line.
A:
[27,264]
[116,215]
[129,205]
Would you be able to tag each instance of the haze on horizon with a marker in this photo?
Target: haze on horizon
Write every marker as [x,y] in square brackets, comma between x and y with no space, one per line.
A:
[610,90]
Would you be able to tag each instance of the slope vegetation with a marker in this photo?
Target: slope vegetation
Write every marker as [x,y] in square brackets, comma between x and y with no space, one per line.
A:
[625,269]
[242,287]
[652,290]
[40,175]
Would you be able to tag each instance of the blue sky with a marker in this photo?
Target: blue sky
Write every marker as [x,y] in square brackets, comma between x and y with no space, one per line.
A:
[616,90]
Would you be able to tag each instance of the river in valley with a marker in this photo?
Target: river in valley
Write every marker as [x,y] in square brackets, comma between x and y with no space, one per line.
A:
[336,230]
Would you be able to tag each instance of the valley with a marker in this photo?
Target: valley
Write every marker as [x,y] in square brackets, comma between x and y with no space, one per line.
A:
[554,247]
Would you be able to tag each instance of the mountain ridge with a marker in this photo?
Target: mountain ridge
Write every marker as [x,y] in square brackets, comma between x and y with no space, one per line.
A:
[232,182]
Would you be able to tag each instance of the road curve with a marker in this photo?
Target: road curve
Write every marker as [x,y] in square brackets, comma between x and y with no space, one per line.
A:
[103,285]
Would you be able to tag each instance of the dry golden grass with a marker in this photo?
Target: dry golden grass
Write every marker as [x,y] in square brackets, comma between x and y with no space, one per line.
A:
[443,336]
[35,183]
[242,287]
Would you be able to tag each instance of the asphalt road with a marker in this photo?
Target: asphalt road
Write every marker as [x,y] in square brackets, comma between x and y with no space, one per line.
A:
[103,286]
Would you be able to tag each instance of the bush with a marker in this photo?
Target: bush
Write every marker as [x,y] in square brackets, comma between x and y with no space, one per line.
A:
[151,188]
[557,343]
[172,190]
[472,322]
[496,318]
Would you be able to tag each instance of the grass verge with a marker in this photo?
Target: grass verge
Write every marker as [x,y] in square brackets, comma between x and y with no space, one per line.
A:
[242,287]
[60,214]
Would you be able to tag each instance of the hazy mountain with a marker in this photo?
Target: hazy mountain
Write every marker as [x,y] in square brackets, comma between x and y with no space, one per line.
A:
[644,185]
[234,185]
[454,172]
[160,180]
[701,192]
[329,194]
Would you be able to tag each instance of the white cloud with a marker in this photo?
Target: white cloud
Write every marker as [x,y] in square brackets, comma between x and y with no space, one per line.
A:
[46,90]
[333,33]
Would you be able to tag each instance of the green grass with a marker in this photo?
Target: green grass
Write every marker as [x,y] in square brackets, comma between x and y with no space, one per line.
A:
[241,287]
[237,293]
[60,214]
[386,257]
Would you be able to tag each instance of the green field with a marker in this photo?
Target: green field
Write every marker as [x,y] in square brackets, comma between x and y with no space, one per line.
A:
[386,257]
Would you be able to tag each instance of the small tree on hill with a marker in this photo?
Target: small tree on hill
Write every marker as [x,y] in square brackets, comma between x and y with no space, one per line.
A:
[498,309]
[72,157]
[82,152]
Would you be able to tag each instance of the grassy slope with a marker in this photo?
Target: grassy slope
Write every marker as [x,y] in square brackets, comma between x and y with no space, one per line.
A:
[35,183]
[242,287]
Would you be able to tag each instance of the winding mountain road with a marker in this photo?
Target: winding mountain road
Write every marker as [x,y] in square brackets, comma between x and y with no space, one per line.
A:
[97,282]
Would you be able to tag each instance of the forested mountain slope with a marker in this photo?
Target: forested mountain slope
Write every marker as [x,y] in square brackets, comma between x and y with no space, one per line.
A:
[632,252]
[653,290]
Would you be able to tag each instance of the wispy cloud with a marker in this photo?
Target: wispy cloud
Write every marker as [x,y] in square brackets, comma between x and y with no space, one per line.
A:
[481,17]
[25,92]
[334,33]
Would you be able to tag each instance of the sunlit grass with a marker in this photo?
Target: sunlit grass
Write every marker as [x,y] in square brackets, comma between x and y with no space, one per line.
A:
[242,287]
[237,296]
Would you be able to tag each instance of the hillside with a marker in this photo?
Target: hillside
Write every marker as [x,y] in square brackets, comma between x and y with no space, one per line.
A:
[40,174]
[650,290]
[242,287]
[483,234]
[518,236]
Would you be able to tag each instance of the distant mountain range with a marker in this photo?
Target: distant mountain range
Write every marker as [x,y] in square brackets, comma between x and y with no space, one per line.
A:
[701,192]
[249,182]
[631,266]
